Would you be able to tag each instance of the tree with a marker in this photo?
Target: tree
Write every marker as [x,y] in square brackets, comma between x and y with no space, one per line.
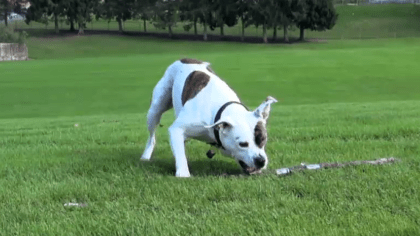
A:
[263,13]
[166,14]
[71,13]
[224,12]
[243,12]
[80,12]
[6,6]
[314,15]
[277,13]
[41,10]
[121,10]
[286,17]
[274,16]
[197,12]
[189,11]
[55,9]
[143,9]
[204,15]
[4,10]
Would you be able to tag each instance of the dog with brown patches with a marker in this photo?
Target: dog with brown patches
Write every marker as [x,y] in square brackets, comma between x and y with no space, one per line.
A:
[207,109]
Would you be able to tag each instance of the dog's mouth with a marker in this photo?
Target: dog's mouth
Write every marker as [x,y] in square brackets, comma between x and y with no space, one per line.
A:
[249,170]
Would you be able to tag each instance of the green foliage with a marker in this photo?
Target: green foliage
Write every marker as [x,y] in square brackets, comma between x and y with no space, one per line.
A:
[166,14]
[224,12]
[8,35]
[74,11]
[120,10]
[80,11]
[361,22]
[197,11]
[314,14]
[187,27]
[243,11]
[306,14]
[7,6]
[143,9]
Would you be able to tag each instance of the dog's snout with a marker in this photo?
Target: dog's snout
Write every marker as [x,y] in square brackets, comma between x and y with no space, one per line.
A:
[259,162]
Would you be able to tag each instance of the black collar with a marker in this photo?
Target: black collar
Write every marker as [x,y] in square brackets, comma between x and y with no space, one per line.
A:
[217,118]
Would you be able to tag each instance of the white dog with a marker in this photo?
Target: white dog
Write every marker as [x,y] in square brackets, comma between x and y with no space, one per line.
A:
[207,109]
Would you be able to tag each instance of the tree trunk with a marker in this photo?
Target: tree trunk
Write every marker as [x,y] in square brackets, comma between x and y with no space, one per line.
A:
[286,33]
[56,24]
[5,17]
[275,32]
[144,25]
[243,29]
[205,31]
[222,33]
[195,26]
[302,34]
[170,30]
[72,25]
[120,25]
[265,33]
[81,30]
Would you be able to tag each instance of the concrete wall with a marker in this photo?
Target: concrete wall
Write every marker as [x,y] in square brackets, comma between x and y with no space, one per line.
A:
[13,52]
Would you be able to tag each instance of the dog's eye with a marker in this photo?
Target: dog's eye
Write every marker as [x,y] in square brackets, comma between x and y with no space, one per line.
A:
[245,144]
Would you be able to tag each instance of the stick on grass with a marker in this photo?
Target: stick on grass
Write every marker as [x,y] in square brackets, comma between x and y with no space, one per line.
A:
[303,166]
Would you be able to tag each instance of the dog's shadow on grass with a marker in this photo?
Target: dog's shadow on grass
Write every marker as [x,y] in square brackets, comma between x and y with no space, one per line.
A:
[218,166]
[95,160]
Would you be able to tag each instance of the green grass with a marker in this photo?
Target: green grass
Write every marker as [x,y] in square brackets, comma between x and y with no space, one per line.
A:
[354,22]
[340,101]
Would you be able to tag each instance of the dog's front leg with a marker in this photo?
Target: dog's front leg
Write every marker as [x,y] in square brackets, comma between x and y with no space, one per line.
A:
[177,136]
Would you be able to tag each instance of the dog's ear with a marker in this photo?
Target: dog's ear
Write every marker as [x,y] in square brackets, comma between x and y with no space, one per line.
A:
[263,111]
[223,125]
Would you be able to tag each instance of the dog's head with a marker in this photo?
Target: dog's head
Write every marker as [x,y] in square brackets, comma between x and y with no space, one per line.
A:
[244,136]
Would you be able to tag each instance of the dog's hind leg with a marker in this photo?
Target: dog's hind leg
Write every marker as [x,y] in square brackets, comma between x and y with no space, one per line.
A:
[161,102]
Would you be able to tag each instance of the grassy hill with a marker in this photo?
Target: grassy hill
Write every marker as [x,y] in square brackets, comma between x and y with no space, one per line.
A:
[72,129]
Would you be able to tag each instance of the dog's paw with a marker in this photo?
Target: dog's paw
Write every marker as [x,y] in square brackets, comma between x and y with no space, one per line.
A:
[145,158]
[182,174]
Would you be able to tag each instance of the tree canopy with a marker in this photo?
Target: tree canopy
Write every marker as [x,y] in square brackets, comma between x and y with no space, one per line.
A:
[275,14]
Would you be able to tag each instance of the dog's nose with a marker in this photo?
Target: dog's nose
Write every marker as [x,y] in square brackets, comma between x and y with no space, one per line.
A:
[259,162]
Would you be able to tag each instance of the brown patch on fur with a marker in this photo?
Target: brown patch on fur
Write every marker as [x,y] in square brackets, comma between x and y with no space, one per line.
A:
[195,82]
[260,133]
[190,61]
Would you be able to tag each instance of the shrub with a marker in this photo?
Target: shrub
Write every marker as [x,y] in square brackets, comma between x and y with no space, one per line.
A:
[8,35]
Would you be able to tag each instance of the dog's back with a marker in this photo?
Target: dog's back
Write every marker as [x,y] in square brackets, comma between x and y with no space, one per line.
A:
[184,79]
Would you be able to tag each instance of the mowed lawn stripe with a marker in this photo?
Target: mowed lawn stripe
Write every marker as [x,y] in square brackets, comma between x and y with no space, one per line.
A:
[294,75]
[49,162]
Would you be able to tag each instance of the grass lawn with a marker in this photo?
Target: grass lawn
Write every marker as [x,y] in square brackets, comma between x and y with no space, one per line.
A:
[338,101]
